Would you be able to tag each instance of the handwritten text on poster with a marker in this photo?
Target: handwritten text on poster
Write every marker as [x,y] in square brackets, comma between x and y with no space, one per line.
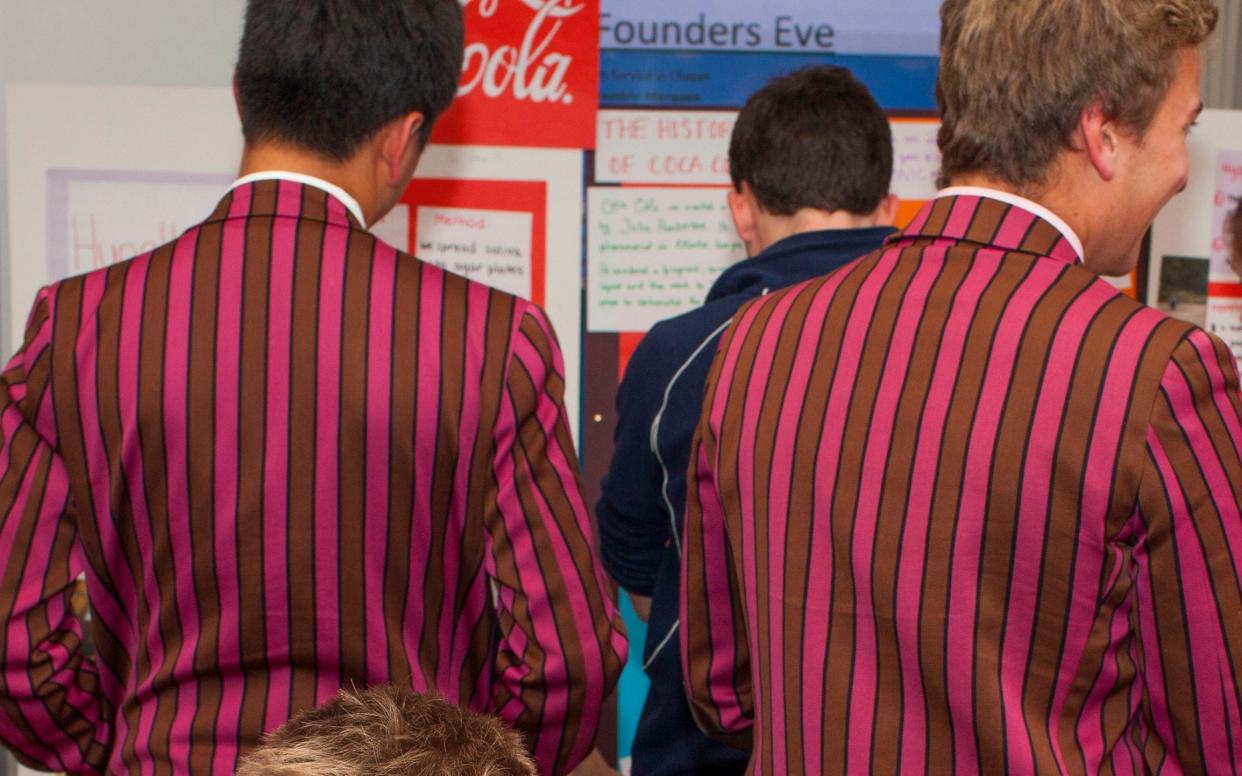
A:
[654,253]
[98,218]
[492,247]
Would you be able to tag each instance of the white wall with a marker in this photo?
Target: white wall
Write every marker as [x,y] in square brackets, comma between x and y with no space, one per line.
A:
[137,42]
[115,42]
[1222,72]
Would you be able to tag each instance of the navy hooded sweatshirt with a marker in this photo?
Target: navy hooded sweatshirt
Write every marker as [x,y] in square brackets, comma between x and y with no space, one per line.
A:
[643,501]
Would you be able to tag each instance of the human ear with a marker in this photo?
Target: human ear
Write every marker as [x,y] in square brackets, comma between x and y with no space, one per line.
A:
[742,208]
[1099,135]
[400,145]
[886,213]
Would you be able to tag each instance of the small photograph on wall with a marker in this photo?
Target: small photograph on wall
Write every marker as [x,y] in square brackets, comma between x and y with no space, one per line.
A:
[1184,288]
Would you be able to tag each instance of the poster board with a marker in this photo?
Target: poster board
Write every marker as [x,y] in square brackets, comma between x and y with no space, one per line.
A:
[672,78]
[1190,276]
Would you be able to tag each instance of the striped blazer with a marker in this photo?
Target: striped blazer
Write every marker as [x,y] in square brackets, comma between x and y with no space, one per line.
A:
[288,459]
[961,507]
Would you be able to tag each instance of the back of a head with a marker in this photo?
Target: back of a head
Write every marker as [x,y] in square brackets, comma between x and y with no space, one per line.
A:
[814,138]
[1016,75]
[326,75]
[388,731]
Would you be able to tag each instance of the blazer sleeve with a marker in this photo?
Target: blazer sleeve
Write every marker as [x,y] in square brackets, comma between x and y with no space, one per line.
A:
[561,640]
[51,711]
[1189,602]
[715,650]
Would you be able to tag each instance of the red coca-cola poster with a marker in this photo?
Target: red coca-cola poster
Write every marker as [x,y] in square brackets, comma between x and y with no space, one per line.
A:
[530,77]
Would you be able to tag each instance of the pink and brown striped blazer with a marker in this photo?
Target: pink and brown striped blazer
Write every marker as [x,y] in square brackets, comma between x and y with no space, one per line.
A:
[961,507]
[287,459]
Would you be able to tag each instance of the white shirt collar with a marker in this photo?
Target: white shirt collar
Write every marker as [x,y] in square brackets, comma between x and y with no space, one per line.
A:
[306,180]
[1022,202]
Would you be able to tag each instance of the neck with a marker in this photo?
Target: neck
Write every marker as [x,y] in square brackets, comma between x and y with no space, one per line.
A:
[1057,196]
[348,175]
[771,229]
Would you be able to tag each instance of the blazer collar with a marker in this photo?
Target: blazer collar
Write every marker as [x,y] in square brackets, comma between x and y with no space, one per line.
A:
[989,223]
[292,199]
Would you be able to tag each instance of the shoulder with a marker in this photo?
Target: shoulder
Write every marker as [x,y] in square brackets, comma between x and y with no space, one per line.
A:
[669,345]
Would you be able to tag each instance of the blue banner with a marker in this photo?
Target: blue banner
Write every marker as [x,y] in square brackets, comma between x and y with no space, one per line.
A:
[705,54]
[634,78]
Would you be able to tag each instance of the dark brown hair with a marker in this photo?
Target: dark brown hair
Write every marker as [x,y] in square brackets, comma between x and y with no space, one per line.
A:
[814,138]
[326,75]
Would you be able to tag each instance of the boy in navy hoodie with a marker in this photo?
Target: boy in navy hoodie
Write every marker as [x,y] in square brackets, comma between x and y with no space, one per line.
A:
[811,159]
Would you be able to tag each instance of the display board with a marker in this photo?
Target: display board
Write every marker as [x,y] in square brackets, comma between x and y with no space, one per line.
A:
[672,78]
[1190,275]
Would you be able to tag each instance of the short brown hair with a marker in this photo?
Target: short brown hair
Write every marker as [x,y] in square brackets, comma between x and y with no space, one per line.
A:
[1016,75]
[389,731]
[813,138]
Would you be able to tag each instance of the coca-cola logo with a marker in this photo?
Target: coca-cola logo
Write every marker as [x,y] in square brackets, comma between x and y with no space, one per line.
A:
[530,70]
[530,75]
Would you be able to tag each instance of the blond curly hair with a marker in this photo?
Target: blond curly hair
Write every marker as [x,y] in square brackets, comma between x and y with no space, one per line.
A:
[389,731]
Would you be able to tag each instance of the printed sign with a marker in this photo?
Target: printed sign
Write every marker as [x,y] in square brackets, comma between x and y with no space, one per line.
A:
[530,75]
[715,53]
[905,27]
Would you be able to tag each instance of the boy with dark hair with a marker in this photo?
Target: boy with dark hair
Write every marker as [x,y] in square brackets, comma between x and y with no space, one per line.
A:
[289,458]
[811,159]
[326,77]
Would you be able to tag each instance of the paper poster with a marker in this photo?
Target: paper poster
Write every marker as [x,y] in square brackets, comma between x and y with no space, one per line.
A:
[394,228]
[492,247]
[1193,222]
[916,158]
[692,148]
[493,232]
[1224,316]
[903,27]
[106,173]
[682,147]
[654,253]
[1226,198]
[546,184]
[1184,288]
[530,75]
[715,53]
[98,218]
